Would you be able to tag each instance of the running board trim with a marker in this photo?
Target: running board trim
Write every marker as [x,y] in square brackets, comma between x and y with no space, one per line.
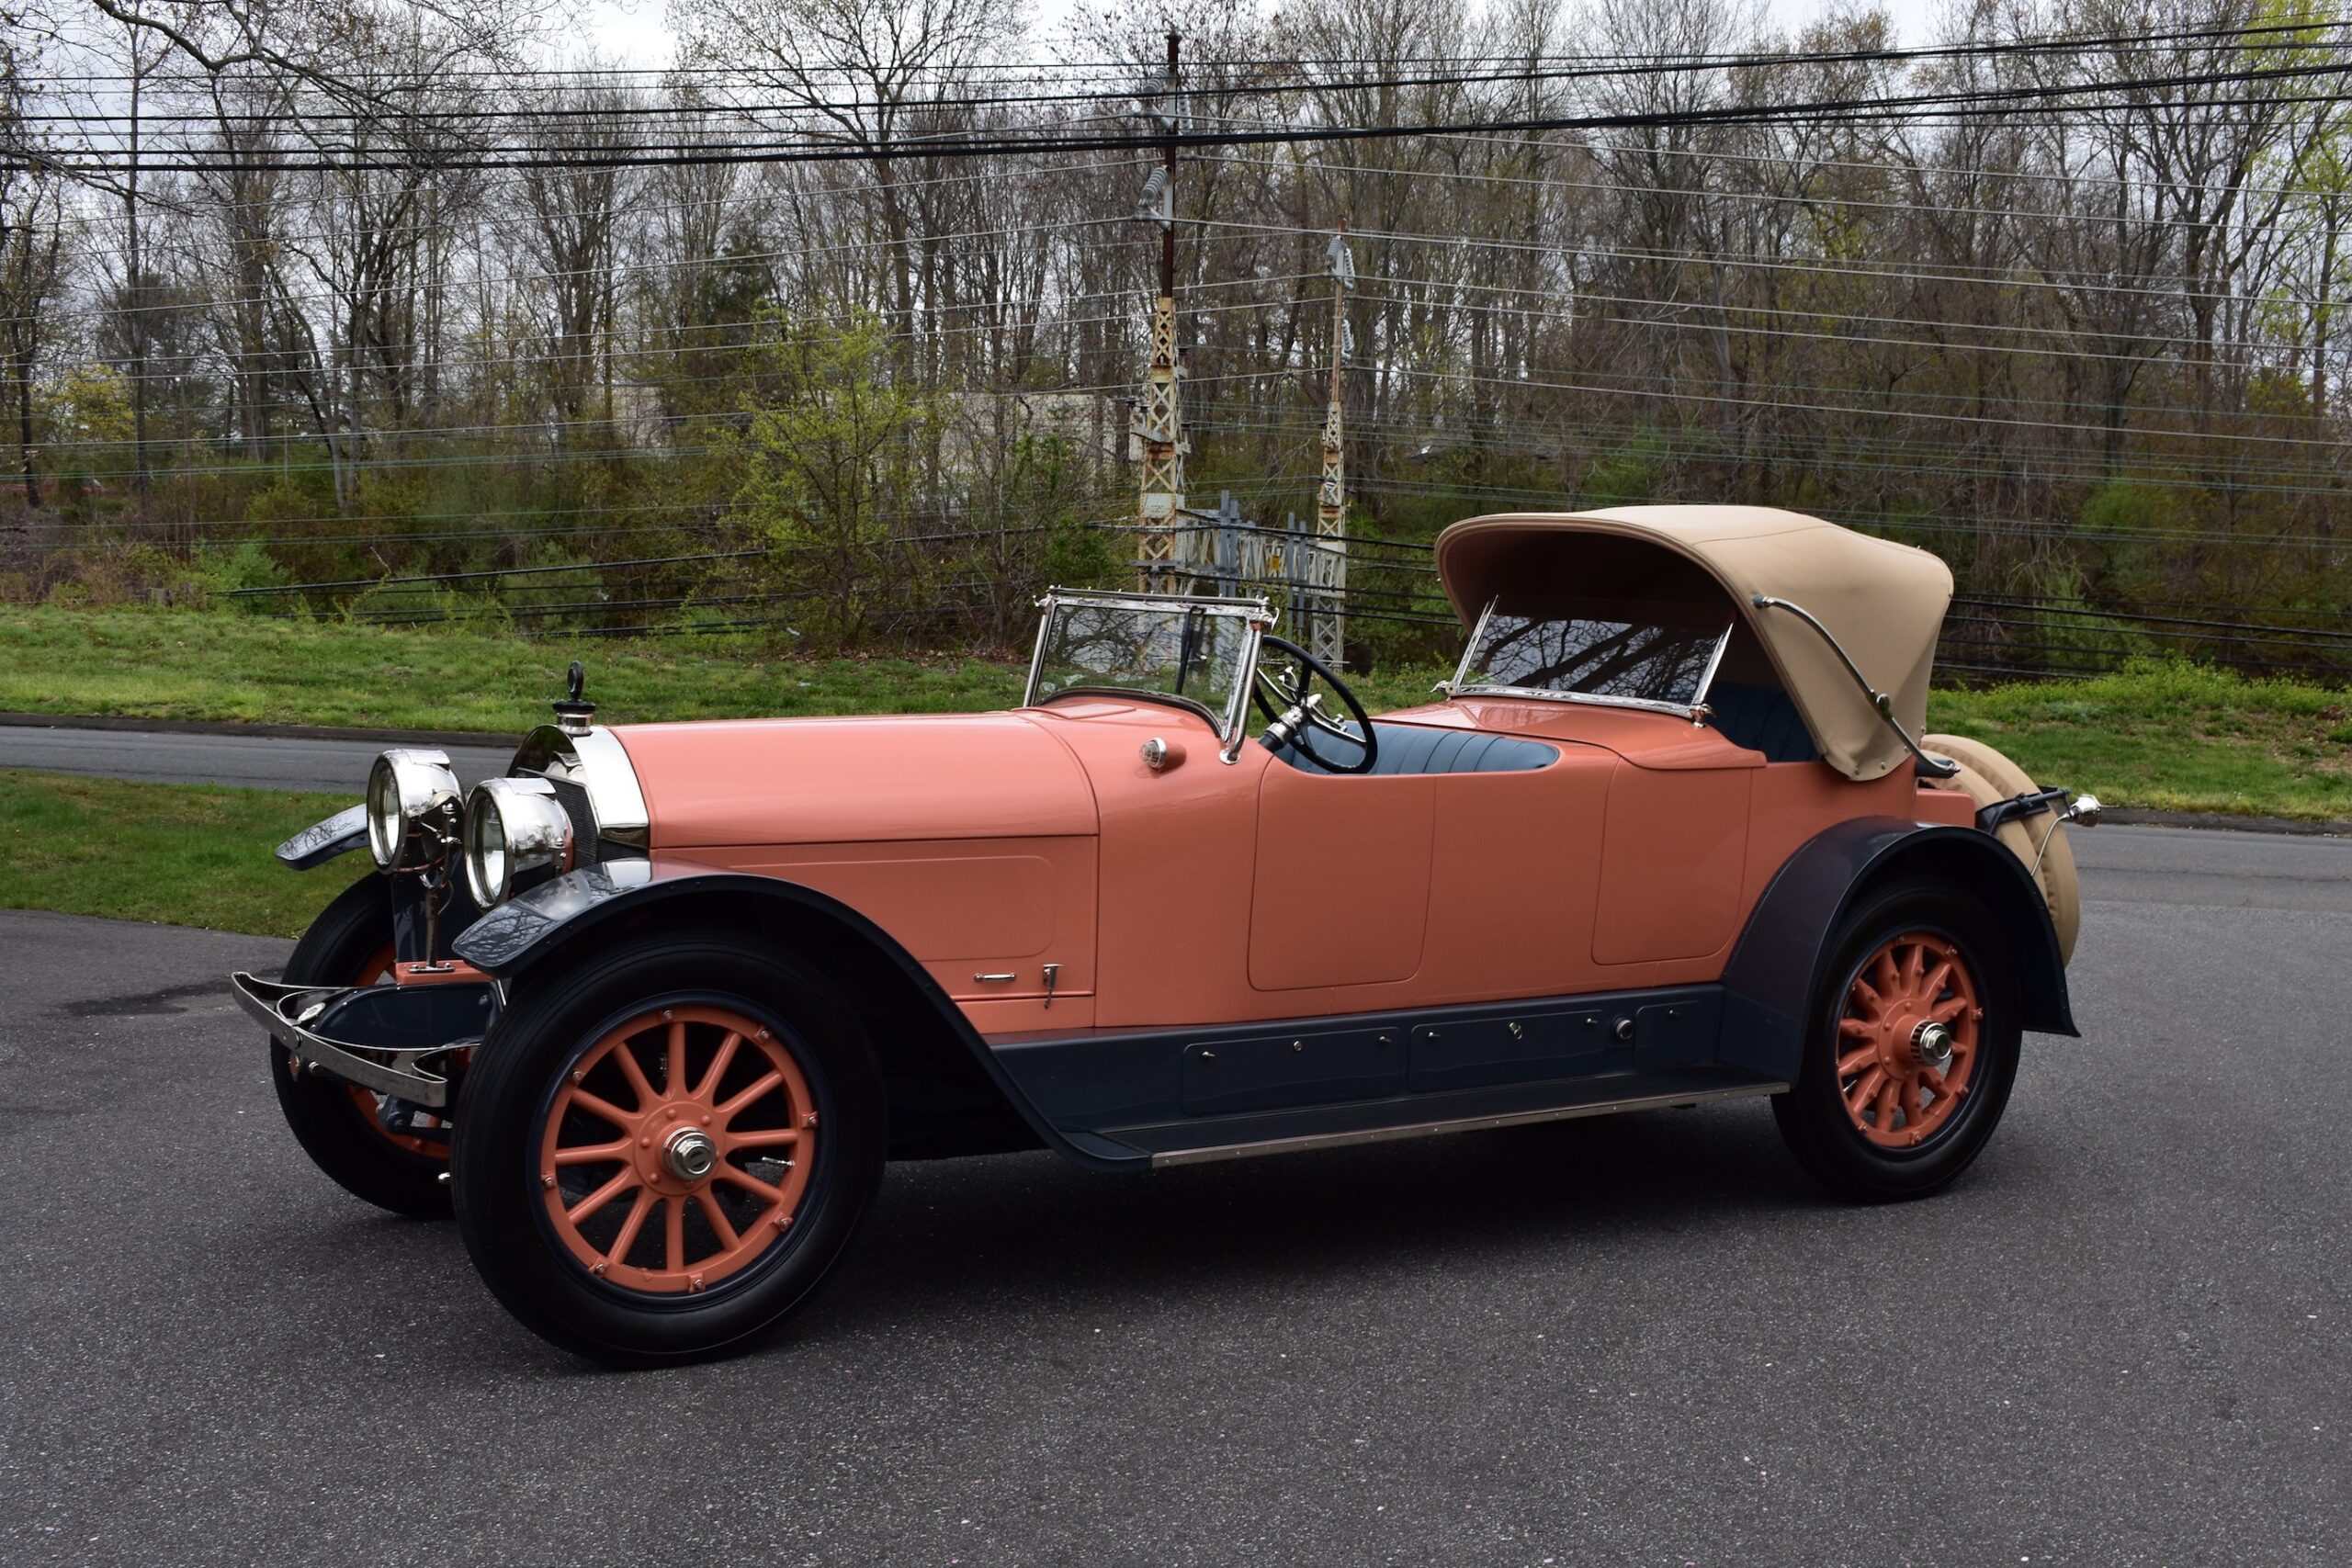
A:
[1458,1125]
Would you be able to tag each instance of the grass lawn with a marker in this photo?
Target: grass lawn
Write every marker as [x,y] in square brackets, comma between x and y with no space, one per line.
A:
[2165,736]
[2172,737]
[198,665]
[183,854]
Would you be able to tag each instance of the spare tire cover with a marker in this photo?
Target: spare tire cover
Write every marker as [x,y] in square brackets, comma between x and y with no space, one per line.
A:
[1986,777]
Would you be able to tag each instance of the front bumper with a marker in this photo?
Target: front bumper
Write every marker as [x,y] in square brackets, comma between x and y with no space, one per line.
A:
[376,1036]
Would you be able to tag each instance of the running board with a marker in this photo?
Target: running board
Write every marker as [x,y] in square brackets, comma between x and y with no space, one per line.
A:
[1422,1116]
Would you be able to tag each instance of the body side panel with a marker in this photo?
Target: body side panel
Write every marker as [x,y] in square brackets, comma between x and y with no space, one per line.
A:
[829,781]
[1671,864]
[963,908]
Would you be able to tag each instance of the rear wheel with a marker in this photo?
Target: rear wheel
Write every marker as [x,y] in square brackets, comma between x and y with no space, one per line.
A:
[1912,1048]
[338,1124]
[662,1153]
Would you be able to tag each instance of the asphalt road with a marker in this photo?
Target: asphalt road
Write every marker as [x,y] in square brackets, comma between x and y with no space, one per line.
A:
[2121,1340]
[252,762]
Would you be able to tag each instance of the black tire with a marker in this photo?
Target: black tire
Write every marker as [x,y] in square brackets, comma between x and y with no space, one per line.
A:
[1813,1115]
[341,1137]
[528,1061]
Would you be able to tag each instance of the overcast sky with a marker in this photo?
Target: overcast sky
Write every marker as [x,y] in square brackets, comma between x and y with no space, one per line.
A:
[633,32]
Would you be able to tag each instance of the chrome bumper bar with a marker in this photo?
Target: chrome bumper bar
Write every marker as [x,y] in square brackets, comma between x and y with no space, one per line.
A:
[285,1010]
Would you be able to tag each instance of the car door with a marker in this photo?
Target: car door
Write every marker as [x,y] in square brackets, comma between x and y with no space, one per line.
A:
[1340,889]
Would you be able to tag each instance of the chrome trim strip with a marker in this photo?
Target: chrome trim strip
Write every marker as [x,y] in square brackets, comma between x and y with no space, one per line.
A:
[1881,704]
[1236,728]
[1469,650]
[268,1003]
[1460,1124]
[1645,704]
[1707,676]
[598,763]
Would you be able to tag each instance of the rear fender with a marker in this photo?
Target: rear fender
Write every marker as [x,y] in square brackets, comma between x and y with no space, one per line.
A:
[1776,967]
[947,1093]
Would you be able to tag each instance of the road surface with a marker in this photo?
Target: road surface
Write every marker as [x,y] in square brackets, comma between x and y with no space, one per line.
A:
[2120,1340]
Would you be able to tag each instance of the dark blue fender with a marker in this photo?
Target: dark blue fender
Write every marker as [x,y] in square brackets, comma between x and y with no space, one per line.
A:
[322,841]
[533,927]
[1775,967]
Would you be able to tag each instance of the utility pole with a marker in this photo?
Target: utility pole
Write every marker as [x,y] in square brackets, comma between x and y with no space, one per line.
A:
[1328,637]
[1158,428]
[134,279]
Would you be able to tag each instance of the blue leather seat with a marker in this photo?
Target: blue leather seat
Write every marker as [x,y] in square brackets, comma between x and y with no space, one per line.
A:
[1425,749]
[1761,718]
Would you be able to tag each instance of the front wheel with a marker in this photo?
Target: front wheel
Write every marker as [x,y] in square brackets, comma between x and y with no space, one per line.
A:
[662,1153]
[339,1125]
[1911,1049]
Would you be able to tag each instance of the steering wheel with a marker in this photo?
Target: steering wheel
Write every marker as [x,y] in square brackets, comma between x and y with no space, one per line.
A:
[1294,710]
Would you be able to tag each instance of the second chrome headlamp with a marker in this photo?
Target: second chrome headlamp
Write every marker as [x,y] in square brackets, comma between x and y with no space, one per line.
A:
[515,829]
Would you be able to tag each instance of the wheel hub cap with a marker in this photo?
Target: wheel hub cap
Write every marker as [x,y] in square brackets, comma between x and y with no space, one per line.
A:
[690,1153]
[1931,1045]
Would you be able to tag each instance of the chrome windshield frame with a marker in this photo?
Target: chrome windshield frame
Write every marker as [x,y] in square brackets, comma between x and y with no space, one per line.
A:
[1257,617]
[1696,710]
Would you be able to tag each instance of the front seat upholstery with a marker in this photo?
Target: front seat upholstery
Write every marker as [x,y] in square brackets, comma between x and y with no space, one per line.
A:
[1425,749]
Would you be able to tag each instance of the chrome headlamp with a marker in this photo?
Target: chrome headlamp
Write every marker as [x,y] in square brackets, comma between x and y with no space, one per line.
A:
[412,801]
[514,827]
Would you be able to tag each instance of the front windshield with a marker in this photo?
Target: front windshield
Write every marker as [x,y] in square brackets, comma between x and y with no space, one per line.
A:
[1597,650]
[1186,651]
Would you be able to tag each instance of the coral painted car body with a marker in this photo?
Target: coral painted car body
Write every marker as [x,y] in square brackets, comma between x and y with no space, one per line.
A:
[1632,857]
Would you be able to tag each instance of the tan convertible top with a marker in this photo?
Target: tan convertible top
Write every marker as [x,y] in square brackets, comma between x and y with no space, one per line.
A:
[1883,602]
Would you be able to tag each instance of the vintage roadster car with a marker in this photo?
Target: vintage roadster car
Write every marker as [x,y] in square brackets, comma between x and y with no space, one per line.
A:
[655,1007]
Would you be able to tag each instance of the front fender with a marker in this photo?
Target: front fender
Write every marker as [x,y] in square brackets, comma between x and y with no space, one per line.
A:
[1776,966]
[535,928]
[322,841]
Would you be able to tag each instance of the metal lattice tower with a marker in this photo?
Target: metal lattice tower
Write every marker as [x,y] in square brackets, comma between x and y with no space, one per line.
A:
[1329,571]
[1158,433]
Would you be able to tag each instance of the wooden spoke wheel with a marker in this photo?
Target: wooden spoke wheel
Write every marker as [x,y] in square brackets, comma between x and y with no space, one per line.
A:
[339,1124]
[678,1148]
[1907,1039]
[662,1148]
[1908,1061]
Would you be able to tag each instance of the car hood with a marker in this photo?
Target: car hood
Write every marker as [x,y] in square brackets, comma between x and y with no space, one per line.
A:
[813,780]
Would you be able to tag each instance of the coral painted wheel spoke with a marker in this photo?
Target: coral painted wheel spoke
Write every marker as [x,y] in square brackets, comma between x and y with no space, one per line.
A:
[717,1072]
[771,1196]
[626,1237]
[672,1147]
[750,1096]
[602,1109]
[637,1082]
[717,1218]
[602,1196]
[1911,1006]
